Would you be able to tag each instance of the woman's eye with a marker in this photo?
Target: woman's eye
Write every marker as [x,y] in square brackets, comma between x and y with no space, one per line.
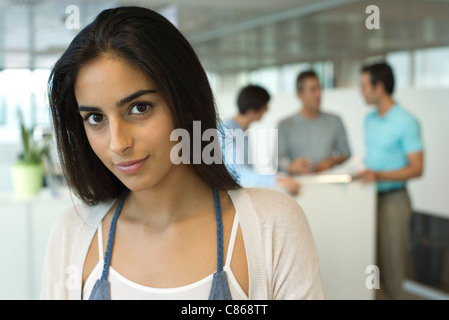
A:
[140,108]
[94,119]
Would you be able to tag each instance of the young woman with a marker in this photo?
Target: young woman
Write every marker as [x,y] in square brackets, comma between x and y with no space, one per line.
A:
[148,228]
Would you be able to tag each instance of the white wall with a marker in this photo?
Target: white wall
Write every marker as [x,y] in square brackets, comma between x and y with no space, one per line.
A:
[430,193]
[8,156]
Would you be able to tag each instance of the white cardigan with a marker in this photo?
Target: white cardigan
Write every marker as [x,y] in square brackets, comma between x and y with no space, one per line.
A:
[280,249]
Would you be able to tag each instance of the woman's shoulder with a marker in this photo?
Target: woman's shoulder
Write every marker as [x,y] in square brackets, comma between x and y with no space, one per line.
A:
[279,242]
[73,216]
[68,242]
[270,207]
[79,217]
[266,201]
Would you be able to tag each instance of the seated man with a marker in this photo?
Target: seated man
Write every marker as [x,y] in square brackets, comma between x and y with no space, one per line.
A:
[311,140]
[252,104]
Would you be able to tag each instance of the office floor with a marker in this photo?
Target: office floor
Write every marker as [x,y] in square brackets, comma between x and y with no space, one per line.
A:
[410,296]
[407,296]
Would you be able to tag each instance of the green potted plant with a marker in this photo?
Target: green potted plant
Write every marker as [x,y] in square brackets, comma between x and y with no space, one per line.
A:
[28,171]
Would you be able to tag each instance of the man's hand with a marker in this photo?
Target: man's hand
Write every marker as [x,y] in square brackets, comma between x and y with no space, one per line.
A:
[412,170]
[300,166]
[366,176]
[290,184]
[323,165]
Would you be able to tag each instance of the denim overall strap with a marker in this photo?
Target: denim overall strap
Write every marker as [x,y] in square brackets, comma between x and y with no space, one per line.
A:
[220,287]
[102,287]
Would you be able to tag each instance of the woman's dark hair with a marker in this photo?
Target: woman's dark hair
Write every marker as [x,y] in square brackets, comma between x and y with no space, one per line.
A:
[252,97]
[381,72]
[147,40]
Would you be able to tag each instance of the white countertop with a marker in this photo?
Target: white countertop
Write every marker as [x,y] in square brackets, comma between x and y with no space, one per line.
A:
[63,194]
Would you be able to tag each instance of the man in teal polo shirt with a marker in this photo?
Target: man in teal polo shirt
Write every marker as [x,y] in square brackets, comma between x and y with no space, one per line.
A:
[394,154]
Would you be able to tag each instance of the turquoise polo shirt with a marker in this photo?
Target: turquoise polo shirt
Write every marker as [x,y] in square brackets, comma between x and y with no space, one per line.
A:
[388,140]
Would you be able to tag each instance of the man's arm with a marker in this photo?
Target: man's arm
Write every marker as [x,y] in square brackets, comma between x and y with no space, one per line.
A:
[282,148]
[330,162]
[300,165]
[342,149]
[414,169]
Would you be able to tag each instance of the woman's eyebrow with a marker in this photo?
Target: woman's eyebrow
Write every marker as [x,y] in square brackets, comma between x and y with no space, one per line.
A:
[86,108]
[123,101]
[133,96]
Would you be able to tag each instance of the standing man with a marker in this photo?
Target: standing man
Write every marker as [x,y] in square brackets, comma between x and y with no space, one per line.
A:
[394,154]
[252,103]
[311,140]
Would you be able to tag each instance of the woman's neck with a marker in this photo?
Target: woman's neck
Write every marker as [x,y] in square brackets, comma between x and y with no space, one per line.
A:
[180,195]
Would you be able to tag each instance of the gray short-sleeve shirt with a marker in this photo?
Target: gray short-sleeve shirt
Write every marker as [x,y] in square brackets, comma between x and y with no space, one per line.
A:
[315,139]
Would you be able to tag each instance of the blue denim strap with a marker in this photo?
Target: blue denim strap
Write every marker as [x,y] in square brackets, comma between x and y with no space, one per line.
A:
[219,222]
[101,290]
[108,253]
[102,287]
[220,286]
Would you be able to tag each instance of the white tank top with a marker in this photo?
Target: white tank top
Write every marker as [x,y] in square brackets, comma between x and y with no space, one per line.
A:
[124,289]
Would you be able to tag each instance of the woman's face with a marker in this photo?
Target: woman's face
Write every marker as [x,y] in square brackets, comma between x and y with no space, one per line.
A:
[127,121]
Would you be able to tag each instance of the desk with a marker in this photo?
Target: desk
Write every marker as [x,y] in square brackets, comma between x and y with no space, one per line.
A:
[342,218]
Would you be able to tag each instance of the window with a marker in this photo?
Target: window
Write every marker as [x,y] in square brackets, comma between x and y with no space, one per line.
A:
[432,67]
[27,90]
[401,63]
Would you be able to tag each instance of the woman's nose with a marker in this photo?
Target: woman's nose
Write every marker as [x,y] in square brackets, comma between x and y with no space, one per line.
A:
[120,136]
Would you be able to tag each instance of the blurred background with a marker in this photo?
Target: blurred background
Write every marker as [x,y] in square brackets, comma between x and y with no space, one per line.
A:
[262,42]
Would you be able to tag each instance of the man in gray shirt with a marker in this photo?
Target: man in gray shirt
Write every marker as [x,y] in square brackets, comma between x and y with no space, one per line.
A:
[311,140]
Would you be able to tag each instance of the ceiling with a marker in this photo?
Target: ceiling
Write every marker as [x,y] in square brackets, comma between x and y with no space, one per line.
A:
[235,35]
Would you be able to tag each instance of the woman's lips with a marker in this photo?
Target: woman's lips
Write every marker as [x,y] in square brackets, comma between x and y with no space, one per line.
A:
[130,167]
